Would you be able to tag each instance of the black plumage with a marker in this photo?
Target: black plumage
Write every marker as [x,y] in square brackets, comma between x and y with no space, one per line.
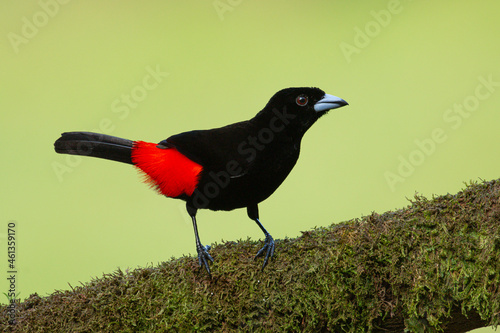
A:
[242,163]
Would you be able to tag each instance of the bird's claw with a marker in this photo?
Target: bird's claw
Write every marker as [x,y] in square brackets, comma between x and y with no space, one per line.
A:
[268,248]
[204,256]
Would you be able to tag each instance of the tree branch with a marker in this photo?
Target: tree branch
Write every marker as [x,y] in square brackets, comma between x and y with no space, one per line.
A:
[433,266]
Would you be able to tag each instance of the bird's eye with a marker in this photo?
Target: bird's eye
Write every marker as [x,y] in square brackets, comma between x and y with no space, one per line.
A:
[301,100]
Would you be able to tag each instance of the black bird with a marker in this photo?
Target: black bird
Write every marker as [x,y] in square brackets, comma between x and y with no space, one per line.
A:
[235,166]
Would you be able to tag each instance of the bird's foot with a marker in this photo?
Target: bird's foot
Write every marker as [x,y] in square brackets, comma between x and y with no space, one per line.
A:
[268,248]
[204,256]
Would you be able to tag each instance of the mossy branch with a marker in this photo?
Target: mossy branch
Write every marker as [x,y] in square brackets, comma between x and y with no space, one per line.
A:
[431,267]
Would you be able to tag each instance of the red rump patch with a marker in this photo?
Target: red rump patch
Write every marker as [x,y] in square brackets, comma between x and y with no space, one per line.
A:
[166,170]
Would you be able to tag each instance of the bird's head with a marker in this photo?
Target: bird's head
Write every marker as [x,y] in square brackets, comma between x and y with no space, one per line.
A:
[299,108]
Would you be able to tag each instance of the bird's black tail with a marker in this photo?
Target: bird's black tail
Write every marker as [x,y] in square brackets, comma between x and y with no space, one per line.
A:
[95,145]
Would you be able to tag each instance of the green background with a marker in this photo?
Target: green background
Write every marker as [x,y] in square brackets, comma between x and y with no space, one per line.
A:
[403,66]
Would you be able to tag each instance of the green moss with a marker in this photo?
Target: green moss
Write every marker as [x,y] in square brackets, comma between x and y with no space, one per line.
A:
[421,267]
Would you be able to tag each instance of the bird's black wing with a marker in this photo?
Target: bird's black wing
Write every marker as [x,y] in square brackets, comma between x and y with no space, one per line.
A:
[215,149]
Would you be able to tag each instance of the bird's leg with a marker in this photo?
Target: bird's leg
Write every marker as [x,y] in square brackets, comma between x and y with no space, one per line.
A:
[203,255]
[268,247]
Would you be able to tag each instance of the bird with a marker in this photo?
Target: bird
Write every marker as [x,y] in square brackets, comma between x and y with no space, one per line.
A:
[235,166]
